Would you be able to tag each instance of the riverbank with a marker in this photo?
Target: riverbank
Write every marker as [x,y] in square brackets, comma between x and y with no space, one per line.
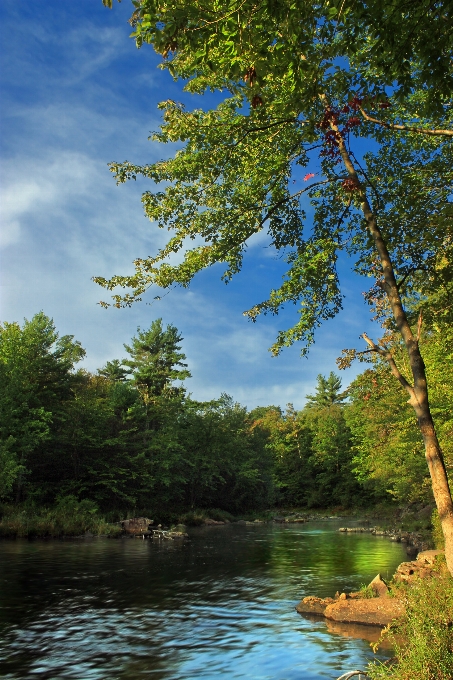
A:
[415,611]
[67,518]
[70,517]
[422,639]
[379,603]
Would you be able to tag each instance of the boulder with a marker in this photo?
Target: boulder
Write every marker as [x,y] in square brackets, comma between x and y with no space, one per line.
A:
[409,571]
[314,605]
[379,586]
[375,611]
[429,556]
[136,525]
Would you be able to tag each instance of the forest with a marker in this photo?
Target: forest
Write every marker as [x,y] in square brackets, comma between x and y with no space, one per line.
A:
[130,439]
[322,132]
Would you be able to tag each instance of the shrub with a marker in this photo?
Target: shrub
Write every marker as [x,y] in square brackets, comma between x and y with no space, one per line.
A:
[194,518]
[423,639]
[220,515]
[69,517]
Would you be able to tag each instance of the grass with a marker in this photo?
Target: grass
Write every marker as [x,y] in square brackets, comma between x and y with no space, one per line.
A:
[195,518]
[69,517]
[423,639]
[367,592]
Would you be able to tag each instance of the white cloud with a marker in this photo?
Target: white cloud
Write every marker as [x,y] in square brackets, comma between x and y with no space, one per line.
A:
[74,100]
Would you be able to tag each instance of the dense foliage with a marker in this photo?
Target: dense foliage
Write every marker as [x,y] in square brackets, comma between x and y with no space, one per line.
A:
[358,97]
[125,438]
[129,439]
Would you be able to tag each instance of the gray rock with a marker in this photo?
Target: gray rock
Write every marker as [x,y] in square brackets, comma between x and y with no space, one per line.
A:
[136,525]
[379,586]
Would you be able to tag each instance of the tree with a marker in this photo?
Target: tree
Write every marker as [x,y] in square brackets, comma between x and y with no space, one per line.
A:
[382,38]
[290,442]
[114,370]
[327,392]
[387,448]
[226,463]
[302,77]
[36,372]
[156,360]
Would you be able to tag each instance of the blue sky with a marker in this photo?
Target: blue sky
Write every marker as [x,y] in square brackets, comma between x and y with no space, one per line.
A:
[76,94]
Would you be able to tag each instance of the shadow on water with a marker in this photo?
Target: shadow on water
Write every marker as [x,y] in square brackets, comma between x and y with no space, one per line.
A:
[218,605]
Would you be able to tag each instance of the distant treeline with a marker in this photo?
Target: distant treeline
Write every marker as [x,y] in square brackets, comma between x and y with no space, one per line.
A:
[130,439]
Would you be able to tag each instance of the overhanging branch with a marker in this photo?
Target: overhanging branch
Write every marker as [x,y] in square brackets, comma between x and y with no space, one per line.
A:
[406,128]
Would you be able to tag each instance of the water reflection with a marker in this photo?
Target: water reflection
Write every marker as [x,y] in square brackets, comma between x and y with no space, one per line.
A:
[219,605]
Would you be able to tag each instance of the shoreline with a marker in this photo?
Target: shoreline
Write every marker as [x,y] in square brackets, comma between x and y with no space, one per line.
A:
[380,603]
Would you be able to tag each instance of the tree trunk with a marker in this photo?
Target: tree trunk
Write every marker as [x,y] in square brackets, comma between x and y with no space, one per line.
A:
[418,393]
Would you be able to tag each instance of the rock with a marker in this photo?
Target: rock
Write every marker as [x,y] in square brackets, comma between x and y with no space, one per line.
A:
[136,525]
[375,611]
[212,522]
[314,605]
[176,534]
[379,586]
[354,608]
[429,556]
[409,571]
[411,550]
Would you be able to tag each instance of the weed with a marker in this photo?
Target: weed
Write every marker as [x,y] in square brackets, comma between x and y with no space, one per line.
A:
[194,518]
[69,517]
[367,592]
[423,639]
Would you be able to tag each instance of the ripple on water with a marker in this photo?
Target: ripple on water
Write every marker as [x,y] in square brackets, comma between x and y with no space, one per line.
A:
[220,605]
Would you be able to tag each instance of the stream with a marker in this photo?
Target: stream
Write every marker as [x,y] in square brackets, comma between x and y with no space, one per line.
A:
[218,605]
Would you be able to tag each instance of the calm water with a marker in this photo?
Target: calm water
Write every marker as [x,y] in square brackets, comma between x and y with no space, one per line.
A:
[218,606]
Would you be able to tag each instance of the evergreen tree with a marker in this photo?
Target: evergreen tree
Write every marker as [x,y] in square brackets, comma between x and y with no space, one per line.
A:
[327,392]
[114,370]
[156,358]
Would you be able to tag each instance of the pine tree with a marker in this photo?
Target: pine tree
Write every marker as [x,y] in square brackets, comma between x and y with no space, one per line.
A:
[328,392]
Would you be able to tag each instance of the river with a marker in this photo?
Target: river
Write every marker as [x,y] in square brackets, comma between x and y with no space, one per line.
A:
[220,605]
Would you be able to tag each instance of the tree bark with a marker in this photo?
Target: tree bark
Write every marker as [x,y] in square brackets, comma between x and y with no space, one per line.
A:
[418,392]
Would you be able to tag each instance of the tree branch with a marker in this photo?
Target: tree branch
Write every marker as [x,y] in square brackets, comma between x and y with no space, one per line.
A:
[412,270]
[391,361]
[407,128]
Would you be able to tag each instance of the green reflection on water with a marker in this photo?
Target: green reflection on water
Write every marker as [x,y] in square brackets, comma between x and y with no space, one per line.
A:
[219,605]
